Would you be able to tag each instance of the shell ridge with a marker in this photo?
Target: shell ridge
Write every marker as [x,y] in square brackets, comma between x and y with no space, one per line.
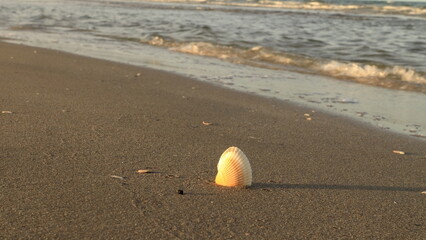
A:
[234,168]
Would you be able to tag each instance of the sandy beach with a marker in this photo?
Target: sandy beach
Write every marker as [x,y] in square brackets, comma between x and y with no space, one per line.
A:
[75,130]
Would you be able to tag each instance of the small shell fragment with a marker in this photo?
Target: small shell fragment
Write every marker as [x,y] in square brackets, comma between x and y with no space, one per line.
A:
[306,115]
[398,152]
[207,123]
[118,177]
[308,119]
[6,112]
[424,192]
[144,171]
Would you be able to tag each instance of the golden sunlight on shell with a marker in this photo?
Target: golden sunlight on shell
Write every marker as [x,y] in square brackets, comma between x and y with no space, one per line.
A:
[233,169]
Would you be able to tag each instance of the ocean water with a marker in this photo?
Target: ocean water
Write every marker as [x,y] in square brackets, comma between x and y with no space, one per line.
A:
[363,59]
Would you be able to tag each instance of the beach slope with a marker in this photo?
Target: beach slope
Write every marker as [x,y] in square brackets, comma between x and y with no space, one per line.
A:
[74,131]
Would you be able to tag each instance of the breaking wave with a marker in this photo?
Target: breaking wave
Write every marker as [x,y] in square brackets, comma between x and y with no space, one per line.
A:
[395,77]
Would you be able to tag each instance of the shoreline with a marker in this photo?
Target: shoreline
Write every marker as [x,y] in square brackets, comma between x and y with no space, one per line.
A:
[361,103]
[77,121]
[319,77]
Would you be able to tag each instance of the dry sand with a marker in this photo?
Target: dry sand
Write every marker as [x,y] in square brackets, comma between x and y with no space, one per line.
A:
[80,129]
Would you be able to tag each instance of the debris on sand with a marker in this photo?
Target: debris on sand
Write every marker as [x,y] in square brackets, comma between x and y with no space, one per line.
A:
[207,123]
[117,177]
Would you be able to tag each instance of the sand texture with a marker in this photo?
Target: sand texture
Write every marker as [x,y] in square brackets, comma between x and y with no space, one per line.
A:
[74,131]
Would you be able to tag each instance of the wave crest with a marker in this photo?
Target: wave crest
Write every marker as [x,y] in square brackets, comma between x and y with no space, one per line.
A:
[395,77]
[372,72]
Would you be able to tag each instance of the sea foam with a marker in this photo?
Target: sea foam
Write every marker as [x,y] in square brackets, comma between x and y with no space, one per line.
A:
[359,71]
[396,77]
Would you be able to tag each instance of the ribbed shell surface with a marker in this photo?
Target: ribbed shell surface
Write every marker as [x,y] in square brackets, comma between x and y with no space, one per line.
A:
[234,169]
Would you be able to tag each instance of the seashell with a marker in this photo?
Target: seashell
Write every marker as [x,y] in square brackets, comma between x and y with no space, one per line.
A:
[233,169]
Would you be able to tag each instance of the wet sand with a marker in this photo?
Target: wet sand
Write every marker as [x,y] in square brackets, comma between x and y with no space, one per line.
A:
[75,130]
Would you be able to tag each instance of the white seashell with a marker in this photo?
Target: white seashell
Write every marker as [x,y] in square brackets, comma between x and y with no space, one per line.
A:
[233,169]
